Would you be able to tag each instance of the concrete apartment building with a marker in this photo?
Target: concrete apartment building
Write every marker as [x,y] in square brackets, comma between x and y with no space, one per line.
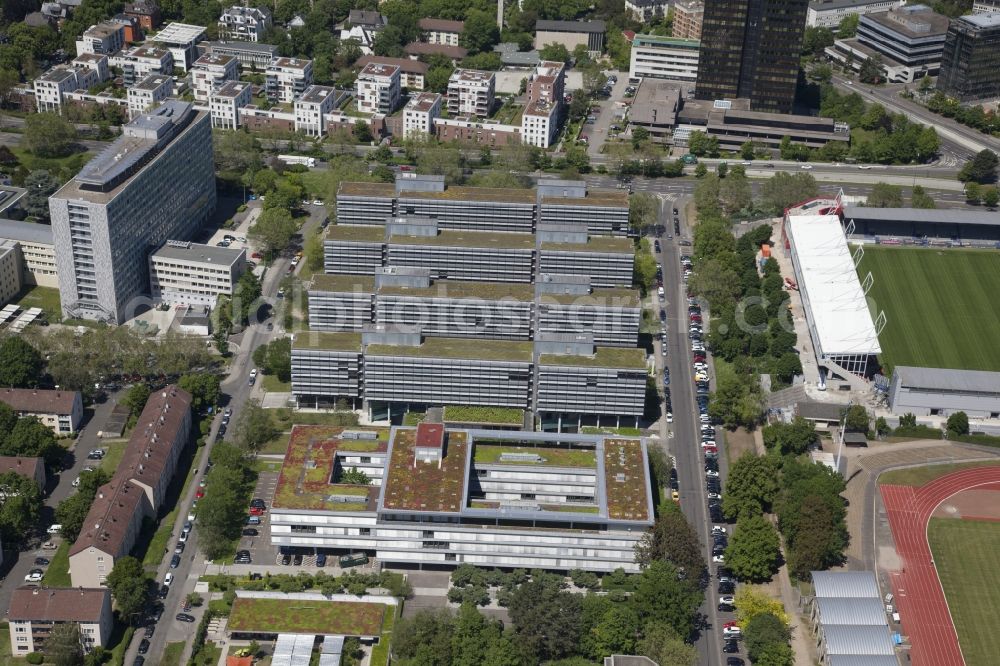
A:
[52,87]
[37,250]
[471,92]
[542,115]
[287,78]
[412,73]
[246,24]
[646,10]
[10,271]
[312,107]
[136,491]
[671,58]
[181,40]
[378,88]
[97,62]
[252,55]
[105,38]
[155,182]
[149,93]
[146,12]
[211,72]
[970,63]
[446,496]
[35,611]
[441,31]
[420,113]
[62,411]
[830,13]
[181,272]
[688,17]
[29,468]
[225,104]
[141,61]
[571,34]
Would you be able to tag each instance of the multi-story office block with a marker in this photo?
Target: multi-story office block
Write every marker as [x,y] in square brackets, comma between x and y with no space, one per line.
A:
[96,62]
[474,256]
[141,61]
[611,316]
[688,16]
[471,92]
[326,367]
[441,31]
[970,66]
[830,13]
[181,40]
[444,497]
[670,58]
[246,24]
[287,78]
[148,93]
[225,104]
[366,203]
[310,108]
[249,54]
[606,261]
[155,182]
[420,113]
[377,88]
[211,72]
[353,250]
[601,213]
[750,49]
[106,38]
[341,302]
[193,274]
[471,208]
[608,382]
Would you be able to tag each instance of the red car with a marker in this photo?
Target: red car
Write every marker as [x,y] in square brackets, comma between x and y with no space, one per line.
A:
[256,511]
[200,493]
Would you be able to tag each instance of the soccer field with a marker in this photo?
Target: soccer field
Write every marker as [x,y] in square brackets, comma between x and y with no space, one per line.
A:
[940,305]
[967,557]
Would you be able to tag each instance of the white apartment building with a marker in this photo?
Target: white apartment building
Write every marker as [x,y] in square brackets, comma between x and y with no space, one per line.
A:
[287,78]
[829,13]
[51,87]
[377,88]
[546,89]
[420,113]
[441,31]
[246,24]
[225,104]
[35,611]
[106,38]
[141,61]
[181,40]
[37,248]
[193,274]
[471,92]
[664,58]
[210,72]
[311,107]
[148,93]
[97,62]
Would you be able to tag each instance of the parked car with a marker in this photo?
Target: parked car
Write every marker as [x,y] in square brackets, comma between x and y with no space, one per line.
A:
[143,646]
[54,529]
[179,548]
[184,617]
[250,532]
[164,591]
[321,559]
[34,576]
[41,562]
[175,561]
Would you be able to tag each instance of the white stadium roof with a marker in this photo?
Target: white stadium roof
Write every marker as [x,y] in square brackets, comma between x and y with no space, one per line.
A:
[831,292]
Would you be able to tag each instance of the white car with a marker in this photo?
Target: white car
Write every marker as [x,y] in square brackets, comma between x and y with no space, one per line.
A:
[168,579]
[253,374]
[719,559]
[714,496]
[659,291]
[864,166]
[731,631]
[76,482]
[718,530]
[317,202]
[806,166]
[704,418]
[712,473]
[184,537]
[670,417]
[727,599]
[33,577]
[54,529]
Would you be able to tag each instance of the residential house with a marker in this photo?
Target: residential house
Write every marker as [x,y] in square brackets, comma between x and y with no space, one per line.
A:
[60,410]
[35,611]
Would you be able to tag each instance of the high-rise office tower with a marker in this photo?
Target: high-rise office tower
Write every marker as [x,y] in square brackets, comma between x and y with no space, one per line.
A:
[750,49]
[970,65]
[155,182]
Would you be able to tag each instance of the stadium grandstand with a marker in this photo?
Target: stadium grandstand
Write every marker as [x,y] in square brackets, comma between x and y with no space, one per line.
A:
[920,226]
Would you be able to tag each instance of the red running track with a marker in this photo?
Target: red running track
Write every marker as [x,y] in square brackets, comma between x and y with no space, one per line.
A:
[918,592]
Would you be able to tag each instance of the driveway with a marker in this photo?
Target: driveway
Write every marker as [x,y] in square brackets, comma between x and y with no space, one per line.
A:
[604,110]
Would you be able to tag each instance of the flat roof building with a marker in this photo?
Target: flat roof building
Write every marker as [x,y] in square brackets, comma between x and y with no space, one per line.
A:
[571,34]
[417,49]
[471,92]
[412,73]
[211,72]
[664,58]
[646,11]
[149,93]
[37,249]
[922,226]
[181,272]
[378,88]
[688,17]
[10,271]
[226,103]
[830,13]
[970,62]
[106,38]
[420,113]
[181,39]
[140,61]
[246,24]
[249,54]
[287,78]
[35,611]
[62,411]
[944,391]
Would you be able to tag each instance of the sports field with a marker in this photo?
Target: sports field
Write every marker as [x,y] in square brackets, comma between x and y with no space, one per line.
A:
[940,306]
[967,556]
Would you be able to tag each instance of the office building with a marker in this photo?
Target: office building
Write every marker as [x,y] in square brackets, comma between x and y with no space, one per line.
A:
[252,55]
[645,11]
[10,271]
[245,24]
[611,316]
[341,302]
[970,63]
[420,113]
[571,34]
[105,38]
[735,124]
[751,50]
[446,496]
[601,381]
[441,31]
[62,411]
[327,368]
[35,611]
[136,491]
[141,61]
[146,12]
[187,273]
[155,182]
[688,16]
[378,88]
[471,92]
[37,250]
[181,40]
[664,58]
[287,78]
[606,261]
[412,73]
[211,72]
[655,108]
[830,13]
[148,93]
[226,103]
[311,109]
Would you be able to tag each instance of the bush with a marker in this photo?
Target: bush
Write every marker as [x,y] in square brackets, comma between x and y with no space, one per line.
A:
[917,431]
[35,658]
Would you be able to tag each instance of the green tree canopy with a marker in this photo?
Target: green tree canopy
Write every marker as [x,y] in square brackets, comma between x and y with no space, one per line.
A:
[21,506]
[63,646]
[763,630]
[673,540]
[785,189]
[274,229]
[663,596]
[48,135]
[920,199]
[547,619]
[203,387]
[883,195]
[754,549]
[958,423]
[751,486]
[980,169]
[40,185]
[72,511]
[20,363]
[789,438]
[253,427]
[130,588]
[480,32]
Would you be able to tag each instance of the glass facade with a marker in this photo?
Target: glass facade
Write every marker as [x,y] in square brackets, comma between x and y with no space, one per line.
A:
[970,65]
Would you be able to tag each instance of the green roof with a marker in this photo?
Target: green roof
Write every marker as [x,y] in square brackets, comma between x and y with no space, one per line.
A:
[459,193]
[425,486]
[549,456]
[328,341]
[625,480]
[656,40]
[465,348]
[367,189]
[486,239]
[491,291]
[594,244]
[480,414]
[281,615]
[615,198]
[616,297]
[356,233]
[342,283]
[604,357]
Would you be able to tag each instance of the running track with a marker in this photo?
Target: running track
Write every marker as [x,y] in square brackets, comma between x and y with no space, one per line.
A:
[918,593]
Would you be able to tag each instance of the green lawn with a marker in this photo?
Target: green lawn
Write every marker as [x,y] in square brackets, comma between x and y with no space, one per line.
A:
[57,575]
[6,659]
[272,384]
[73,163]
[279,445]
[967,556]
[172,654]
[918,476]
[380,652]
[940,306]
[46,298]
[115,453]
[334,617]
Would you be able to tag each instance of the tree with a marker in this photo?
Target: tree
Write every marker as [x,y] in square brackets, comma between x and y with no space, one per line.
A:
[848,26]
[884,195]
[920,199]
[20,363]
[747,151]
[48,135]
[21,507]
[355,477]
[246,295]
[973,192]
[958,424]
[221,512]
[818,538]
[815,40]
[644,268]
[480,32]
[856,419]
[991,197]
[136,397]
[203,387]
[129,587]
[555,52]
[73,510]
[594,79]
[763,630]
[754,549]
[787,366]
[785,189]
[253,427]
[751,486]
[701,170]
[642,209]
[673,540]
[871,70]
[775,654]
[789,438]
[362,132]
[286,196]
[735,192]
[273,230]
[236,152]
[615,633]
[40,185]
[662,644]
[546,619]
[63,645]
[701,144]
[752,600]
[30,437]
[275,358]
[424,639]
[981,169]
[662,596]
